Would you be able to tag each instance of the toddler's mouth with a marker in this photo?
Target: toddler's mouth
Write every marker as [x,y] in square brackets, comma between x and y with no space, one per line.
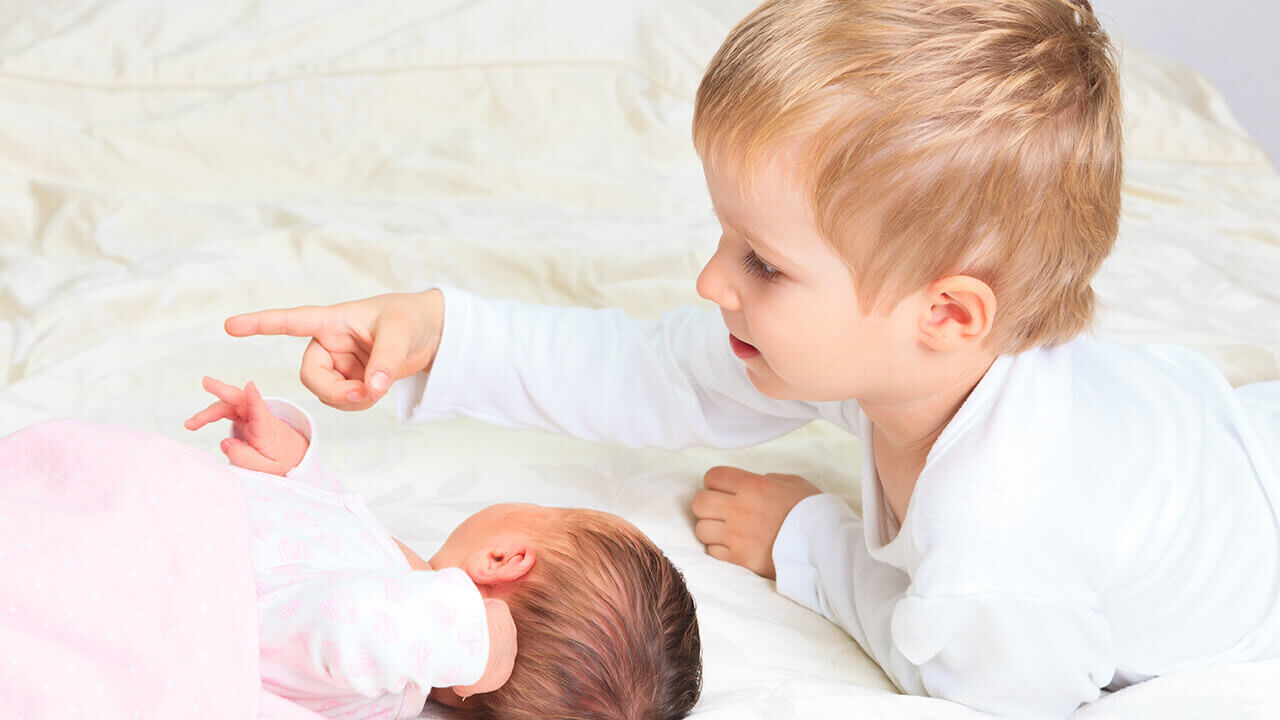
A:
[744,351]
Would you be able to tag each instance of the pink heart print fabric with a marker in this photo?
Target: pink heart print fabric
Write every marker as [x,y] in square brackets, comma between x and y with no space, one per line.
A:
[141,577]
[126,588]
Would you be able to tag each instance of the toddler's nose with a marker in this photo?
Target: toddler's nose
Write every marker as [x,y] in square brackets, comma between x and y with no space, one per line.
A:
[714,284]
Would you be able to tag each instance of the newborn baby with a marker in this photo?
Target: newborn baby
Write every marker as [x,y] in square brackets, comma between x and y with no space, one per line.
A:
[354,624]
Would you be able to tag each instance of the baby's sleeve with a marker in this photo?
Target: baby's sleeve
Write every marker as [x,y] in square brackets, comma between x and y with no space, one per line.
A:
[596,374]
[1011,655]
[379,631]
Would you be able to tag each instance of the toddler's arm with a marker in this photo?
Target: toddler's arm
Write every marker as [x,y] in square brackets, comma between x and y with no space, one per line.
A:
[595,374]
[783,528]
[1023,652]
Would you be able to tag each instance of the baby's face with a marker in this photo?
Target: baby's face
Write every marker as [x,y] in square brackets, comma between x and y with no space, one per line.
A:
[786,294]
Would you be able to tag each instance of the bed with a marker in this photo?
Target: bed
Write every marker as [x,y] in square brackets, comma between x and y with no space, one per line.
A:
[164,166]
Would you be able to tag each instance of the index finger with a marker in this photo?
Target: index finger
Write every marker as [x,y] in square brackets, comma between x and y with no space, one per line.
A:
[304,321]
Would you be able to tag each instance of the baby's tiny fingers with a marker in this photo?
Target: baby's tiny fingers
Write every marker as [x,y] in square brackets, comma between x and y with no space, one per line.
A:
[257,406]
[217,411]
[261,436]
[229,394]
[241,454]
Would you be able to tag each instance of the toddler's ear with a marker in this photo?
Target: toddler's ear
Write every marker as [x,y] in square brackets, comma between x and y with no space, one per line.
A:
[500,563]
[958,310]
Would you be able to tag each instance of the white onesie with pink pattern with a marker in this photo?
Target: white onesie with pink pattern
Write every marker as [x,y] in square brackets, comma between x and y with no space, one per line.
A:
[347,628]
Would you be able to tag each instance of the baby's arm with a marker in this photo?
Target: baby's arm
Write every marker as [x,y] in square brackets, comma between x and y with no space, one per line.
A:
[595,374]
[377,631]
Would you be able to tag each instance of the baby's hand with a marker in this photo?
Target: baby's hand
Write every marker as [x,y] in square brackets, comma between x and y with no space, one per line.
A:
[740,513]
[273,445]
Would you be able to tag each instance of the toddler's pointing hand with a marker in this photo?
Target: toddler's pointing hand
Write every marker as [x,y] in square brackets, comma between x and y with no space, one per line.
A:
[357,348]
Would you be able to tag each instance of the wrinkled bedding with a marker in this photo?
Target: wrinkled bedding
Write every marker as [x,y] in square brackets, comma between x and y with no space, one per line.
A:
[163,166]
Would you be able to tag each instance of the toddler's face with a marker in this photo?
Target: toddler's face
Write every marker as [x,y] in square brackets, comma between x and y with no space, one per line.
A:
[789,301]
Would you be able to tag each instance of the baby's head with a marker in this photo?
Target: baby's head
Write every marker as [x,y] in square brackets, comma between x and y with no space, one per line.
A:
[605,626]
[891,173]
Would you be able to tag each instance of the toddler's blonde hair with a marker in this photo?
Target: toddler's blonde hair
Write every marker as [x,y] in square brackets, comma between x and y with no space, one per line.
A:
[940,137]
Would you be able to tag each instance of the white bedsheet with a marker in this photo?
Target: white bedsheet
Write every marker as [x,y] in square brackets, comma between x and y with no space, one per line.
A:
[165,165]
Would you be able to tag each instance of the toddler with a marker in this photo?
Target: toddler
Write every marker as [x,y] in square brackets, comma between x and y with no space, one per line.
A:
[354,624]
[914,196]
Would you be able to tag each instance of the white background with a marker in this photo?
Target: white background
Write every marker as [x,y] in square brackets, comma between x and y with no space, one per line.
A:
[1231,42]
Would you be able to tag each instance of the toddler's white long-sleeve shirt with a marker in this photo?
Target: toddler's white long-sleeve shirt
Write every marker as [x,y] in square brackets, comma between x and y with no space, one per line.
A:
[346,627]
[1092,516]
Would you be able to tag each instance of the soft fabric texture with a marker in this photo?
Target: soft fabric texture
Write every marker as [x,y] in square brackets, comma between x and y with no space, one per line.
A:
[126,588]
[346,627]
[166,165]
[1093,514]
[154,578]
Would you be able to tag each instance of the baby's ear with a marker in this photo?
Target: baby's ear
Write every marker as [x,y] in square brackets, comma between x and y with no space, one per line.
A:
[500,563]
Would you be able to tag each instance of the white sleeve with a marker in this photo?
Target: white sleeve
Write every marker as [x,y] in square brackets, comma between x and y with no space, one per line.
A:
[375,631]
[821,561]
[595,374]
[1009,654]
[1012,655]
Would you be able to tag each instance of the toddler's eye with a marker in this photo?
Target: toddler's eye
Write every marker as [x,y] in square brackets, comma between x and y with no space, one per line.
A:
[758,268]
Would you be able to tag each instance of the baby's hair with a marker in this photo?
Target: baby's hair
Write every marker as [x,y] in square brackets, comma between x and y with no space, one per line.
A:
[937,137]
[605,630]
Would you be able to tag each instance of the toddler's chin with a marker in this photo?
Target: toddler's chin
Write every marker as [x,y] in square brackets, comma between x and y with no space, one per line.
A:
[762,383]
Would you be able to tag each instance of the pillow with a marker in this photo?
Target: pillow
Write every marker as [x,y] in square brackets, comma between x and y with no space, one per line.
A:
[1172,113]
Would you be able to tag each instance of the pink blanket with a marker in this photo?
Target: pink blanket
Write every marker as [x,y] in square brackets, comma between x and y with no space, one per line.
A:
[126,588]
